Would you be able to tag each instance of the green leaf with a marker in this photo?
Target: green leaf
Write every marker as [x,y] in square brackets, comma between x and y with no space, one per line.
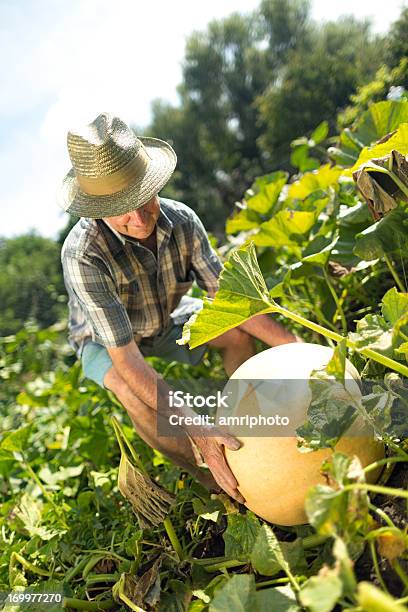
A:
[17,441]
[381,119]
[269,556]
[398,141]
[324,507]
[300,159]
[385,236]
[242,294]
[331,410]
[350,222]
[323,178]
[334,511]
[344,567]
[285,228]
[29,513]
[242,221]
[394,305]
[240,535]
[375,333]
[238,594]
[266,191]
[279,599]
[320,256]
[321,593]
[320,133]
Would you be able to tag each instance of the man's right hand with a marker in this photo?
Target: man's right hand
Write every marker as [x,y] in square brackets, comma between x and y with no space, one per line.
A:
[208,449]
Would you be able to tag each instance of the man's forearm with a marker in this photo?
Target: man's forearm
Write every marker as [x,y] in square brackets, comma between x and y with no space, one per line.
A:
[269,331]
[144,381]
[139,376]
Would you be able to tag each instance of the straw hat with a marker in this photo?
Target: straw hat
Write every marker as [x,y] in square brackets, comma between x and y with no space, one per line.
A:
[113,171]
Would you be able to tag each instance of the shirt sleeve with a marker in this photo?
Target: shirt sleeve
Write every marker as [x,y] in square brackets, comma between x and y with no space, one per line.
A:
[205,262]
[97,295]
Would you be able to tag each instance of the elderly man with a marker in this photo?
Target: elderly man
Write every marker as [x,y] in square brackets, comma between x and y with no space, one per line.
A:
[128,263]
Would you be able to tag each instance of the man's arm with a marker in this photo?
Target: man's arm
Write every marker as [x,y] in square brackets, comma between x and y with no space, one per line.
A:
[150,388]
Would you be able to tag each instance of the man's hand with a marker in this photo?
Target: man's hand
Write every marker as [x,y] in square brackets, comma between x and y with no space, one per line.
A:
[208,449]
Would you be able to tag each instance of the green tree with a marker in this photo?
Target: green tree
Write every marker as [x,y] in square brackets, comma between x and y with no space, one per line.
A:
[215,131]
[397,40]
[31,284]
[252,83]
[317,81]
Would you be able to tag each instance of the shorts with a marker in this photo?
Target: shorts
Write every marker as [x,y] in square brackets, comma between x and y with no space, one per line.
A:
[96,360]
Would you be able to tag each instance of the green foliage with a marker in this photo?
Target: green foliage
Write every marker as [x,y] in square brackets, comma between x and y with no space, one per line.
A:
[251,83]
[309,252]
[31,286]
[374,91]
[311,89]
[396,45]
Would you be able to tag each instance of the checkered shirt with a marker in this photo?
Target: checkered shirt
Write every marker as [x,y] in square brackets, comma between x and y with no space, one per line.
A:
[119,291]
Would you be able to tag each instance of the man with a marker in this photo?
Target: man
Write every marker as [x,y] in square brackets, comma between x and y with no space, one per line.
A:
[128,264]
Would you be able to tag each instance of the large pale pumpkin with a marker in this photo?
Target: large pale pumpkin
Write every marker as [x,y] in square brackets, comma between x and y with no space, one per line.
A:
[273,475]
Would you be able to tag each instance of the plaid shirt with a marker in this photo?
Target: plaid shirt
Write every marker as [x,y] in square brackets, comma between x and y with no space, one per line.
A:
[118,291]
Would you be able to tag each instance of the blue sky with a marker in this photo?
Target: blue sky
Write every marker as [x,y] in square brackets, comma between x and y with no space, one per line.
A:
[62,63]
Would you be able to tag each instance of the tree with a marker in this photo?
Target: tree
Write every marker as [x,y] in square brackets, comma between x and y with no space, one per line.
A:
[317,81]
[252,83]
[397,40]
[31,283]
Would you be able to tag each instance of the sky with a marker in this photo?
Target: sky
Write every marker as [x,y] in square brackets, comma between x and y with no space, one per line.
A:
[62,63]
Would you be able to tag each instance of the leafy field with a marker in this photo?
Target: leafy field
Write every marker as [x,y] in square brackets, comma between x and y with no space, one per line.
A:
[308,250]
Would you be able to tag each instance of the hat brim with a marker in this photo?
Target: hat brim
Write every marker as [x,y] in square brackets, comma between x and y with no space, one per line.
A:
[161,166]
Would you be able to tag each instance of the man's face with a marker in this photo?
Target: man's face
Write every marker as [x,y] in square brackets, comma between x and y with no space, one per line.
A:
[139,223]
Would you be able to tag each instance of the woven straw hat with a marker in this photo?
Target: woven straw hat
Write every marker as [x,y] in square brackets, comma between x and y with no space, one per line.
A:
[113,172]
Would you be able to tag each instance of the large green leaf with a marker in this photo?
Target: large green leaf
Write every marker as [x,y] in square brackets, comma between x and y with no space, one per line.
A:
[285,228]
[319,250]
[385,236]
[324,507]
[394,305]
[244,220]
[335,511]
[238,594]
[265,192]
[373,332]
[350,222]
[28,514]
[330,412]
[398,141]
[320,133]
[240,535]
[323,178]
[381,119]
[321,593]
[269,556]
[17,441]
[279,599]
[242,294]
